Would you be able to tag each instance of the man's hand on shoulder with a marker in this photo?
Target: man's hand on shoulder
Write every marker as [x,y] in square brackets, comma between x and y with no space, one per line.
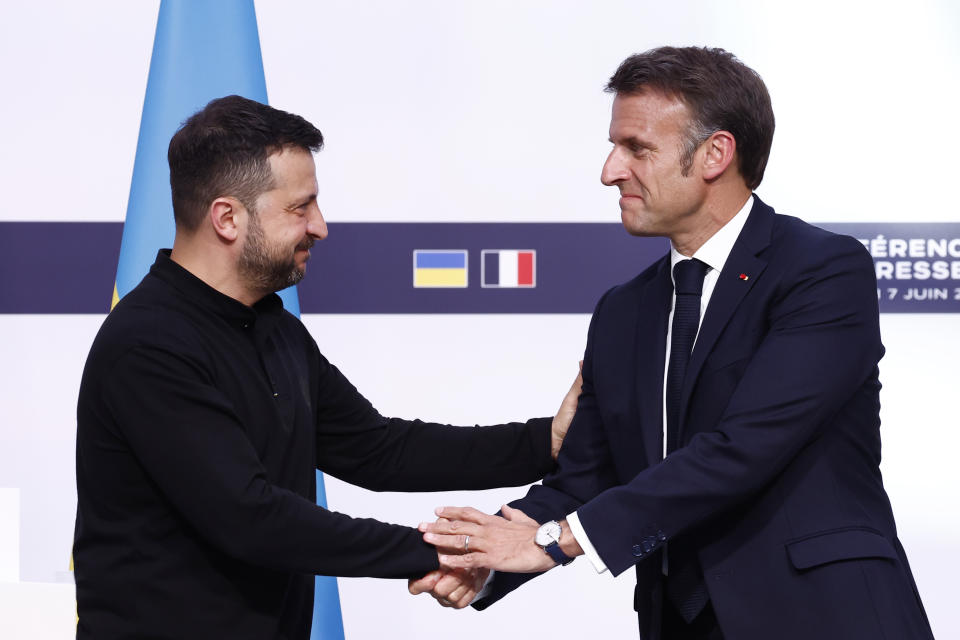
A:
[561,422]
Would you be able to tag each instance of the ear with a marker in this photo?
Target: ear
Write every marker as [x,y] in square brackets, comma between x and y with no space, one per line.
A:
[720,149]
[225,213]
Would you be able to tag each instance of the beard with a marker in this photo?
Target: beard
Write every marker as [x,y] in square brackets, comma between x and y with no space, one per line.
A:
[268,268]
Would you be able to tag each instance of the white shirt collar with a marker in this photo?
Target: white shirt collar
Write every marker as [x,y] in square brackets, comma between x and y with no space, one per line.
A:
[717,248]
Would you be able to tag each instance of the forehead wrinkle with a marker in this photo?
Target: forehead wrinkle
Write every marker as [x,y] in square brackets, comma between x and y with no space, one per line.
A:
[641,118]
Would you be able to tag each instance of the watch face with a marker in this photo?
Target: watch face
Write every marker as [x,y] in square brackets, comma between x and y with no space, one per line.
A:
[548,533]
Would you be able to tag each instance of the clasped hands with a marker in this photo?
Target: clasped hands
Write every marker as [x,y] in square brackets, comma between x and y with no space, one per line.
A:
[470,543]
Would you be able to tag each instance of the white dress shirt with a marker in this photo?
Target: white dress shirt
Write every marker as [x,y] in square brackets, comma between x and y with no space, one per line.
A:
[714,254]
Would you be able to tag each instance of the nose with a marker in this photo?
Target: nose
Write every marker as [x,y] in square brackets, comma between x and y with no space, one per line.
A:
[316,225]
[614,169]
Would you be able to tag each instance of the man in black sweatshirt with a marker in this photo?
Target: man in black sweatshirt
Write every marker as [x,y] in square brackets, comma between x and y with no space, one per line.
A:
[205,409]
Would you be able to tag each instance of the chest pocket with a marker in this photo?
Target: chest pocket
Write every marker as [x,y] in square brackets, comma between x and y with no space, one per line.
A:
[728,355]
[286,377]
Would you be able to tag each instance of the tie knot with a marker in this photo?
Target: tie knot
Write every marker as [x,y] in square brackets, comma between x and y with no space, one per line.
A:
[688,276]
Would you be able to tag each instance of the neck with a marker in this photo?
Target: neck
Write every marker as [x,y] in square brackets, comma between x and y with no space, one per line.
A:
[716,211]
[212,261]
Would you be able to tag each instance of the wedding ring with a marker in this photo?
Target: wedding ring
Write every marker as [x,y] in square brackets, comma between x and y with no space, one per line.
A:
[466,544]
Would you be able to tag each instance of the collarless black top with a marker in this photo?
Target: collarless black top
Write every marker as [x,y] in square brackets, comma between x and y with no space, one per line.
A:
[200,424]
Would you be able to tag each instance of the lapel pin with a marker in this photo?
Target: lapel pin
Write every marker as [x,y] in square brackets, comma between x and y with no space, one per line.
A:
[744,276]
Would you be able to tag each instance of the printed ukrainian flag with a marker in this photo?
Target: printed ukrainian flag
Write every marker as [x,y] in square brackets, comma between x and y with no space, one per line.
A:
[201,51]
[440,268]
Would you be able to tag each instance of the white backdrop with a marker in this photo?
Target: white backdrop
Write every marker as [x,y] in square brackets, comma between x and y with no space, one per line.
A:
[479,111]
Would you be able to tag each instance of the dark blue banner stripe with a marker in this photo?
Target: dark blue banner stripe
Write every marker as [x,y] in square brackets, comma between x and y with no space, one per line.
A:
[365,267]
[56,267]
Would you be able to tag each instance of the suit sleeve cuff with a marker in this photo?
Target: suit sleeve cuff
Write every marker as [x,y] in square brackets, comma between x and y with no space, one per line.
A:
[573,521]
[486,588]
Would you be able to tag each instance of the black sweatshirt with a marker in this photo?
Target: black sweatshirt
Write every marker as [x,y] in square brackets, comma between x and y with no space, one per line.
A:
[200,423]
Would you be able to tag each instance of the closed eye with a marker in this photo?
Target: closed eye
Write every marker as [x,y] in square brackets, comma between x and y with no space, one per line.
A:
[635,146]
[301,208]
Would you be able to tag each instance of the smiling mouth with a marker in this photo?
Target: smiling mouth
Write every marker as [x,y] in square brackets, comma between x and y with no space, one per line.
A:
[625,198]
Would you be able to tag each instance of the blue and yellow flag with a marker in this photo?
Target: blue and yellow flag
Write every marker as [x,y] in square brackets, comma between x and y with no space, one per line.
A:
[201,51]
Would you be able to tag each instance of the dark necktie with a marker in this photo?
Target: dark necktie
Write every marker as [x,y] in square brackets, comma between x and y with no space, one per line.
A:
[685,588]
[688,284]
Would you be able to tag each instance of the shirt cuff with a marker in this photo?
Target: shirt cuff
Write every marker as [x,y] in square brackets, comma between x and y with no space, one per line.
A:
[483,593]
[581,537]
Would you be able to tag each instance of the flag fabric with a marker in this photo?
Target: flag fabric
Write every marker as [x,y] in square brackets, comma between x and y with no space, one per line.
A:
[508,268]
[440,268]
[201,51]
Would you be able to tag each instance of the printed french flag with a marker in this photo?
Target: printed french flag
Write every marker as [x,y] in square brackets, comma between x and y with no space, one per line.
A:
[508,268]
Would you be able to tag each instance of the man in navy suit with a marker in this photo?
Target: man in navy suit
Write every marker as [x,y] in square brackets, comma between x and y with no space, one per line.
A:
[726,444]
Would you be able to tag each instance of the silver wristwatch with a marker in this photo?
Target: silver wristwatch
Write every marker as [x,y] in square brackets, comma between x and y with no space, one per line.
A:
[548,539]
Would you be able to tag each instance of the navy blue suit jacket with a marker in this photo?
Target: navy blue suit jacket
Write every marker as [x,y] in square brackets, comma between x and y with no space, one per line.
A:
[776,484]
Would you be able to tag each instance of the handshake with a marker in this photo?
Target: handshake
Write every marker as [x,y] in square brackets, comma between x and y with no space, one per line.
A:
[470,544]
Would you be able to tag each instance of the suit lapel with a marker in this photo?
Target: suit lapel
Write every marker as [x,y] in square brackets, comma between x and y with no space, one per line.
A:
[730,290]
[653,312]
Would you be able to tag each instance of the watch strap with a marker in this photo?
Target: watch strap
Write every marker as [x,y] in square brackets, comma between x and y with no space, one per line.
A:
[554,551]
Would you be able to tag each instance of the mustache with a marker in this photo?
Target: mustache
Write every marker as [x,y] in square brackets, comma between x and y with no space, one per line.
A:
[307,244]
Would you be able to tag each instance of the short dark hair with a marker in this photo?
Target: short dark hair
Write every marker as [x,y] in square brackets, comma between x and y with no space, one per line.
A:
[722,94]
[223,150]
